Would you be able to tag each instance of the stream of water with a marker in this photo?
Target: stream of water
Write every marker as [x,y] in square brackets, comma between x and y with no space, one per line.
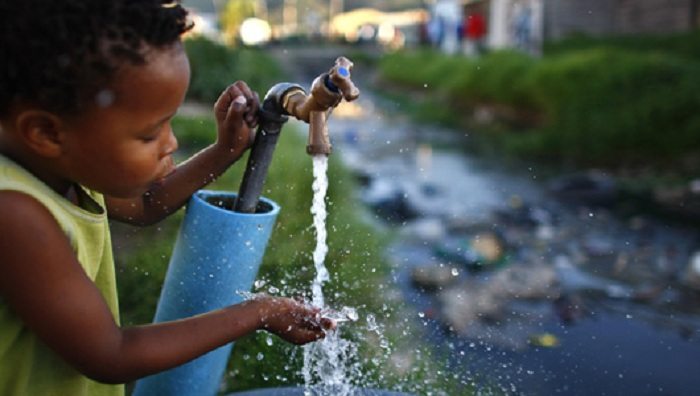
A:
[616,318]
[327,368]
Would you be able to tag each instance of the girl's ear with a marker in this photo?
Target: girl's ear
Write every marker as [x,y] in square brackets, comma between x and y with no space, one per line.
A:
[41,132]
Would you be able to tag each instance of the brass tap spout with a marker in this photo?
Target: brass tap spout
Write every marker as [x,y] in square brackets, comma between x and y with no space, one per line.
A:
[327,91]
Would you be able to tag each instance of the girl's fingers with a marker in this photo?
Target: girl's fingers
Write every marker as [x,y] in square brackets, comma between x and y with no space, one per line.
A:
[234,114]
[223,105]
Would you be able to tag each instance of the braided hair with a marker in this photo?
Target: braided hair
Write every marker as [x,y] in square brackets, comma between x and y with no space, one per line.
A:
[59,54]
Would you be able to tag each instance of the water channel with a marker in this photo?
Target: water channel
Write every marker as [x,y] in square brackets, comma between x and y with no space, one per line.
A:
[522,291]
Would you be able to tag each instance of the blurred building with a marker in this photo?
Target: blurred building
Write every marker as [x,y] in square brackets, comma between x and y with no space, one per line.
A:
[606,17]
[393,29]
[525,24]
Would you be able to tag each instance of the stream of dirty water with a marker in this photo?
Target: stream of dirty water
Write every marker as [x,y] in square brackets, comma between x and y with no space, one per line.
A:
[520,290]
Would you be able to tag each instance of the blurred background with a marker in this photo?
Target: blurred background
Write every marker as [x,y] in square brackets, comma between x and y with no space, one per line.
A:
[514,200]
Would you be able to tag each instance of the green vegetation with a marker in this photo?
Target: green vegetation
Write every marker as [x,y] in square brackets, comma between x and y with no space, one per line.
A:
[685,45]
[355,260]
[586,102]
[215,66]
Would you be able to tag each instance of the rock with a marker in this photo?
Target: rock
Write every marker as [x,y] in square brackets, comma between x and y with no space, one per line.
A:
[389,201]
[528,282]
[682,201]
[473,301]
[430,229]
[598,246]
[485,248]
[488,246]
[523,215]
[691,276]
[463,305]
[570,308]
[572,279]
[592,187]
[434,277]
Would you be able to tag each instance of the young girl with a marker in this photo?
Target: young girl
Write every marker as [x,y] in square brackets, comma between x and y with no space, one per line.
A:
[87,92]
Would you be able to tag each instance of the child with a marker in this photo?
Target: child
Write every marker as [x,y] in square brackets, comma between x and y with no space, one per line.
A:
[87,92]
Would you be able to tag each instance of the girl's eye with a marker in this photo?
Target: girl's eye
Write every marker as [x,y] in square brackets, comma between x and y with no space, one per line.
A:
[152,135]
[148,139]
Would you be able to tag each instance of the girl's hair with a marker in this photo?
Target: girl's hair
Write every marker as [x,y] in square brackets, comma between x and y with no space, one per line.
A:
[59,54]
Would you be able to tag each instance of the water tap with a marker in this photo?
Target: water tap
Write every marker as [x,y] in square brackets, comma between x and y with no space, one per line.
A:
[280,102]
[327,91]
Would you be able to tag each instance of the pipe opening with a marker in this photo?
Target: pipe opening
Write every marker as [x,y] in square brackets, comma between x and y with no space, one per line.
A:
[227,202]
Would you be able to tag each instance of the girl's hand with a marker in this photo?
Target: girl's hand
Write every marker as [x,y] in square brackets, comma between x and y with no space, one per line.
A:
[292,320]
[236,113]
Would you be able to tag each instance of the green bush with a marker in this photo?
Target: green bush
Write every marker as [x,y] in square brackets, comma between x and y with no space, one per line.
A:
[215,66]
[600,105]
[495,78]
[615,105]
[685,45]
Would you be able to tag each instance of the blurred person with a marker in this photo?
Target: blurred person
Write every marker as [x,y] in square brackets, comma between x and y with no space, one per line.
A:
[475,32]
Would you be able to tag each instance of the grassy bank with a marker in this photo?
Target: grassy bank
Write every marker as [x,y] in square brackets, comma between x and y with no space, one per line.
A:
[597,102]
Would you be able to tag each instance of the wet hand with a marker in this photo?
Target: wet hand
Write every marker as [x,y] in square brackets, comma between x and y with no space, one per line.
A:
[236,113]
[292,320]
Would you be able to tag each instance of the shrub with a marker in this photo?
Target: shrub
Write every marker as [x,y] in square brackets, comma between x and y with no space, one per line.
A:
[600,105]
[215,66]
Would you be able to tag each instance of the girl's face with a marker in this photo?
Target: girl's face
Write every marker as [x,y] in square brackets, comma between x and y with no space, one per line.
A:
[125,142]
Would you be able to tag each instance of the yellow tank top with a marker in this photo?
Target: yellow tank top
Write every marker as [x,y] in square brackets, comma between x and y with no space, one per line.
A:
[27,366]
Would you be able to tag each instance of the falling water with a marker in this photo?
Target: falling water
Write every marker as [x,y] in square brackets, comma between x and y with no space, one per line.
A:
[318,209]
[327,366]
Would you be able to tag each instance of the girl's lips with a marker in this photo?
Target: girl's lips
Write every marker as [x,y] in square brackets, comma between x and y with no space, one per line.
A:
[165,176]
[170,169]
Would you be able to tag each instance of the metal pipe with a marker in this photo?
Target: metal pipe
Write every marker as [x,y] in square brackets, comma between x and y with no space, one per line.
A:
[271,118]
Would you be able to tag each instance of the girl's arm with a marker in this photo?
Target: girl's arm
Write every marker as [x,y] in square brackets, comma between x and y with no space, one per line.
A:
[235,123]
[44,284]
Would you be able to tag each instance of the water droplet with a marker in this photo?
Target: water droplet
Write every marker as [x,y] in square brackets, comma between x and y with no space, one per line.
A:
[104,98]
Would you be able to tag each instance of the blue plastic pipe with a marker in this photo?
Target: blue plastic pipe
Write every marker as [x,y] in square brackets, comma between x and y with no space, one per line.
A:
[217,254]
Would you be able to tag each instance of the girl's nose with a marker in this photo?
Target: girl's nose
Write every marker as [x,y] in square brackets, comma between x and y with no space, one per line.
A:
[170,143]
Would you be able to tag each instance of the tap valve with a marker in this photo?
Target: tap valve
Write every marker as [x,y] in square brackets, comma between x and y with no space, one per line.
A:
[327,91]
